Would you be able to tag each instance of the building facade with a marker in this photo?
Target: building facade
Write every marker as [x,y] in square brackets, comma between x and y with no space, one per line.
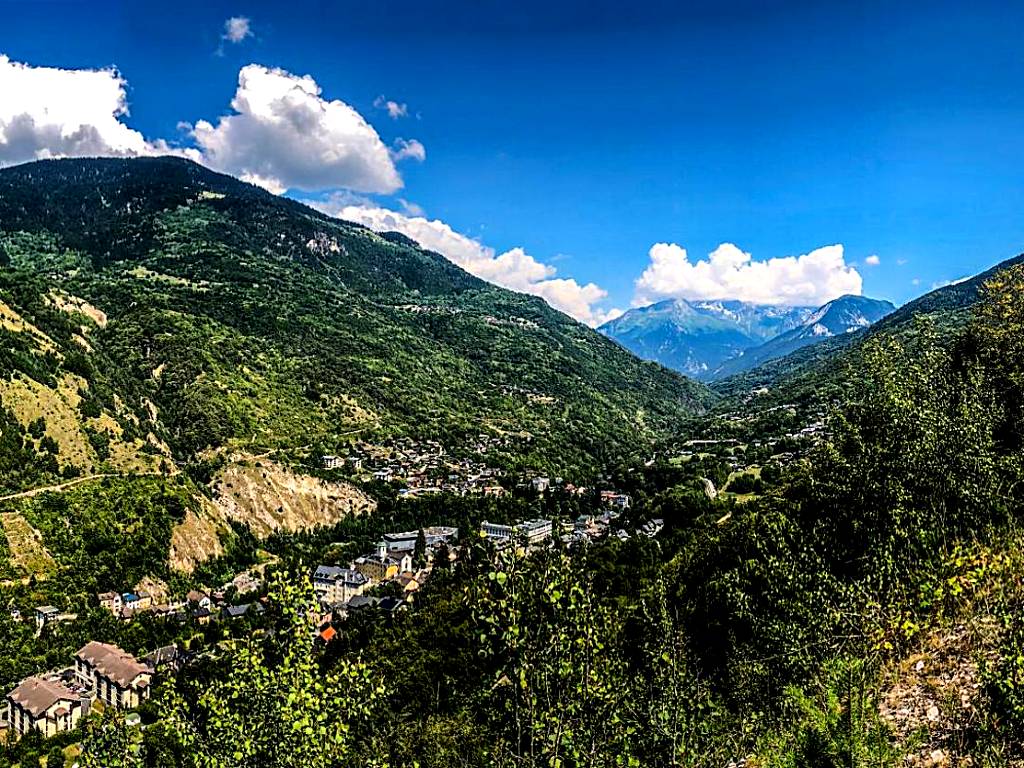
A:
[333,584]
[43,705]
[117,677]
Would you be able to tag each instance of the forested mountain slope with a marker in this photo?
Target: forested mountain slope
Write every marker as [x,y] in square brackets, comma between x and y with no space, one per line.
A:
[232,316]
[863,608]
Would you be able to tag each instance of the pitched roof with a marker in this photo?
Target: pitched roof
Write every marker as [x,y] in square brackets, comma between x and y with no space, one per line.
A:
[37,695]
[390,604]
[361,601]
[336,573]
[165,655]
[111,662]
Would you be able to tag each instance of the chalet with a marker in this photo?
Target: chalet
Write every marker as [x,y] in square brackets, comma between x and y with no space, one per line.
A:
[130,601]
[329,461]
[202,616]
[361,601]
[391,604]
[111,601]
[411,582]
[652,527]
[198,599]
[118,677]
[245,609]
[44,705]
[168,658]
[617,500]
[540,484]
[333,584]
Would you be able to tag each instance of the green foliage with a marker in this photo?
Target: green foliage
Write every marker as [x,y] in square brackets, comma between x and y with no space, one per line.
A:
[837,721]
[109,743]
[242,320]
[109,532]
[274,707]
[558,695]
[1005,678]
[245,317]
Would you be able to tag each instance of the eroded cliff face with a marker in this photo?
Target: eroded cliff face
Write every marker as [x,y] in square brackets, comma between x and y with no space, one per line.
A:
[267,497]
[197,537]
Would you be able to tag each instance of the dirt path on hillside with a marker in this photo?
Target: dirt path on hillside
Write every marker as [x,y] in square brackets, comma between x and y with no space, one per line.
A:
[57,487]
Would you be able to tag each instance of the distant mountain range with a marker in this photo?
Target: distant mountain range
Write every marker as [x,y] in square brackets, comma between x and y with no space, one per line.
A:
[712,339]
[830,367]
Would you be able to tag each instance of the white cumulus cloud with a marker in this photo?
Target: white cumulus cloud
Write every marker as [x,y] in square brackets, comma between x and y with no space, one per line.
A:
[730,273]
[284,135]
[514,269]
[394,109]
[48,112]
[236,29]
[406,149]
[872,260]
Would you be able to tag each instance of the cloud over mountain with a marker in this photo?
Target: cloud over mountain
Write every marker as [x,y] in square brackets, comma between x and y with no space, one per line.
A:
[49,112]
[281,134]
[284,135]
[730,273]
[515,268]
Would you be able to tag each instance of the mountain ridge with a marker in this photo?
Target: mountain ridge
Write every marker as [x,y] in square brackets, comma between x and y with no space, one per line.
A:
[843,315]
[346,320]
[695,337]
[803,372]
[159,319]
[712,339]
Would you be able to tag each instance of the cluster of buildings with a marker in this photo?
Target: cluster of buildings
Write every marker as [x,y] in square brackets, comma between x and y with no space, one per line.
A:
[341,590]
[785,445]
[587,528]
[55,702]
[424,467]
[200,607]
[590,528]
[427,467]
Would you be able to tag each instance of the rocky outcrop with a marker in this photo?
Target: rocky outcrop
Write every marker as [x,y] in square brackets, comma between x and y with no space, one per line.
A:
[267,497]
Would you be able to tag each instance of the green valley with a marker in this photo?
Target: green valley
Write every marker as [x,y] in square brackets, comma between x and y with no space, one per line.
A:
[307,494]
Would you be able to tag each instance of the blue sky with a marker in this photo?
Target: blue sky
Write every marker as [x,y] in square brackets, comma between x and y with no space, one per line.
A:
[568,139]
